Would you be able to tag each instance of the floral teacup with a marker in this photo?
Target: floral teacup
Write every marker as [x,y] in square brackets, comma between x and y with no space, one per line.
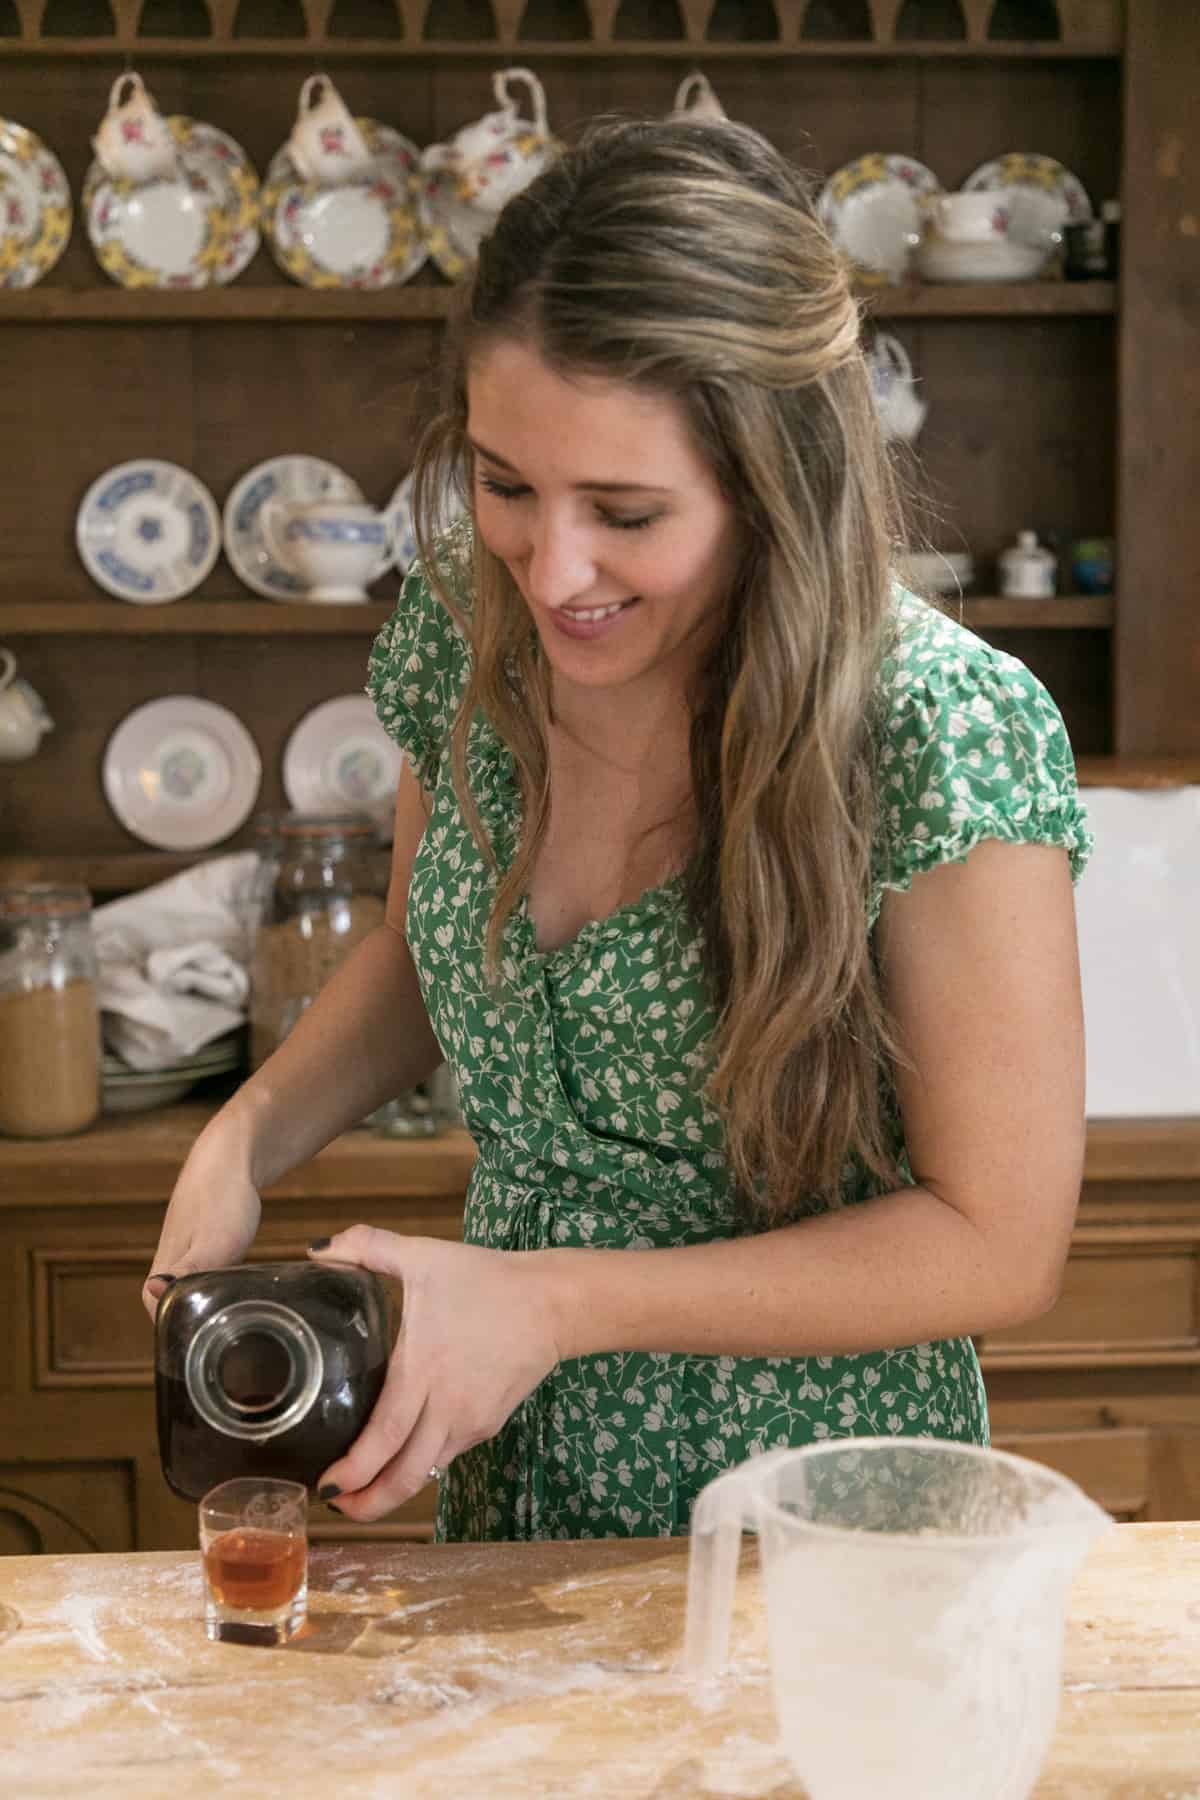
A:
[326,145]
[501,153]
[134,142]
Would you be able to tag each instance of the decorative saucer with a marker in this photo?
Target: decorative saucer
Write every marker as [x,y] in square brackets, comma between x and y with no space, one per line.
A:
[295,478]
[340,759]
[148,531]
[872,209]
[453,230]
[195,232]
[1042,196]
[364,234]
[181,773]
[35,207]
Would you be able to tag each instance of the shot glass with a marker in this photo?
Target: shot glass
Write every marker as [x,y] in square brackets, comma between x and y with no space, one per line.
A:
[254,1547]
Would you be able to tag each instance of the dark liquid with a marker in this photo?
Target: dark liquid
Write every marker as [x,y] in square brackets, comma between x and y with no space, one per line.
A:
[195,1457]
[260,1569]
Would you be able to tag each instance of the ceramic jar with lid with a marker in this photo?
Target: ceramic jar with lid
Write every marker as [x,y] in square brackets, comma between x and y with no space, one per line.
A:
[1027,569]
[325,880]
[49,1012]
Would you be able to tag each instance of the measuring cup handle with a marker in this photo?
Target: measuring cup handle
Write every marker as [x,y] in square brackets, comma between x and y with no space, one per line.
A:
[723,1510]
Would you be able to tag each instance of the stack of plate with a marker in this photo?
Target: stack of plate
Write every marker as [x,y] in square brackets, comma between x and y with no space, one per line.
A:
[126,1090]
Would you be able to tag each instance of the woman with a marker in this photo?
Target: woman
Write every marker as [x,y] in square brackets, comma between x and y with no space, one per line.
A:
[733,882]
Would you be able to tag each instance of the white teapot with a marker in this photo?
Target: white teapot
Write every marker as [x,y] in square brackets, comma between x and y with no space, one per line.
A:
[334,548]
[501,153]
[24,720]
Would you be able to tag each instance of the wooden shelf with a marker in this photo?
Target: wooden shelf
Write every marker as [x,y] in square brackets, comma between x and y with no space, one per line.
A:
[181,618]
[111,305]
[49,305]
[340,50]
[1138,771]
[265,618]
[1071,612]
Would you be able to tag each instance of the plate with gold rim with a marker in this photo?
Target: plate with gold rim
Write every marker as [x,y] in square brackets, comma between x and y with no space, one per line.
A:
[1042,197]
[196,230]
[35,207]
[360,234]
[872,208]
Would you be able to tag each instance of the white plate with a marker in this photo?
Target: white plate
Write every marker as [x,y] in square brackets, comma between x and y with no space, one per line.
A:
[194,232]
[936,260]
[160,1090]
[181,773]
[297,478]
[401,533]
[871,207]
[148,531]
[35,207]
[1041,196]
[363,234]
[339,759]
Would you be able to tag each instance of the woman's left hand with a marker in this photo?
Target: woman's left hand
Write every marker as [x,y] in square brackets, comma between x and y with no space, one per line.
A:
[477,1334]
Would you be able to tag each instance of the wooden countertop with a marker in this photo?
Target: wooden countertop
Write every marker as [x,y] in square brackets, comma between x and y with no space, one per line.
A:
[513,1670]
[136,1158]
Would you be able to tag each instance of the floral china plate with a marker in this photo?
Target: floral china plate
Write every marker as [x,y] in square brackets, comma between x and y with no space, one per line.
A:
[453,230]
[148,531]
[1042,197]
[340,759]
[872,208]
[294,478]
[362,234]
[35,207]
[181,773]
[199,230]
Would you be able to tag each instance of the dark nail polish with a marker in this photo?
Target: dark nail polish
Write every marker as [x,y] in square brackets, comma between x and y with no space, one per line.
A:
[167,1278]
[320,1243]
[329,1491]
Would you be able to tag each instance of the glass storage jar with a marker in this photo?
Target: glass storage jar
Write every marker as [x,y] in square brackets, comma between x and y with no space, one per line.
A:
[49,1013]
[324,884]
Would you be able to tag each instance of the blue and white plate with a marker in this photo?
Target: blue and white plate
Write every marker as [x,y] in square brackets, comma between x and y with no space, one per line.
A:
[401,532]
[148,531]
[181,773]
[294,478]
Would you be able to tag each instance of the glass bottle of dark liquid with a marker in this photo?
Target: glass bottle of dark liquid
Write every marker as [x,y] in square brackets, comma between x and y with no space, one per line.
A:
[269,1369]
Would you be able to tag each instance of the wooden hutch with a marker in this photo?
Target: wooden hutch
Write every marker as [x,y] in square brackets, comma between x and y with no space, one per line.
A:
[1065,406]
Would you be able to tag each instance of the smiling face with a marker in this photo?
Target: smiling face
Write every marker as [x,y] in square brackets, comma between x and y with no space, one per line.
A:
[609,520]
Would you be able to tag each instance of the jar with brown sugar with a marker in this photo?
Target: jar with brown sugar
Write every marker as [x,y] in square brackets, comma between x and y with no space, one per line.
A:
[325,891]
[49,1013]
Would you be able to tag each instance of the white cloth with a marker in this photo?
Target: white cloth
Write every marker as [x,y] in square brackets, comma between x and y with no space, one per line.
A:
[172,962]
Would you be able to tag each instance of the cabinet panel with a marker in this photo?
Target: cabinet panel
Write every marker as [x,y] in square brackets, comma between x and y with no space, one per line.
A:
[63,1508]
[1133,1300]
[1137,1474]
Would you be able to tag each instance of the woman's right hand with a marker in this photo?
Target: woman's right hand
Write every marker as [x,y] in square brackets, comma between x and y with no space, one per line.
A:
[211,1219]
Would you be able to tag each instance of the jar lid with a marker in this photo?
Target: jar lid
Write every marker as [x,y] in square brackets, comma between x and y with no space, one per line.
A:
[45,899]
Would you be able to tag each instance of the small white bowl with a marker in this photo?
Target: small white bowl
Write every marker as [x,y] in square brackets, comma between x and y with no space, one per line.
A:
[937,571]
[936,259]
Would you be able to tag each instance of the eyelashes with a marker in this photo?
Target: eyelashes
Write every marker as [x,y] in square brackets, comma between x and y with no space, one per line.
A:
[517,491]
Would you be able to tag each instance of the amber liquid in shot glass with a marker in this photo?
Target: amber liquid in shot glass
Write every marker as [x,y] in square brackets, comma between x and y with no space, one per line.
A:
[254,1544]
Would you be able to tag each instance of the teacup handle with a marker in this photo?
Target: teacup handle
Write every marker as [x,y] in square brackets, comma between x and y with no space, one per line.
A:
[695,95]
[889,349]
[307,104]
[537,95]
[8,668]
[130,81]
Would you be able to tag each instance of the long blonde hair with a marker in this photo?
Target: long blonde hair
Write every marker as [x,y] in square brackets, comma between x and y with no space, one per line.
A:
[686,259]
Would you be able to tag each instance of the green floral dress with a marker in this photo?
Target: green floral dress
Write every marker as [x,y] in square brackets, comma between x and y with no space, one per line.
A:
[580,1083]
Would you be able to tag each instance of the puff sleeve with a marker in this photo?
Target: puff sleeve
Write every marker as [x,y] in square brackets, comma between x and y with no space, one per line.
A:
[418,667]
[971,746]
